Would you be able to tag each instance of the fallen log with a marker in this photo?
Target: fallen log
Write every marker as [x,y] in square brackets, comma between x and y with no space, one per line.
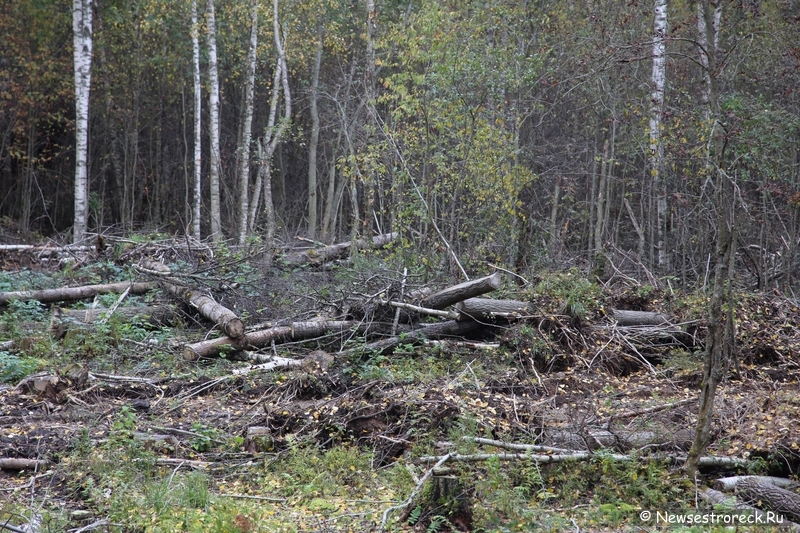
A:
[257,339]
[157,315]
[462,291]
[639,318]
[719,499]
[486,309]
[449,328]
[786,502]
[76,293]
[729,484]
[231,324]
[318,256]
[13,463]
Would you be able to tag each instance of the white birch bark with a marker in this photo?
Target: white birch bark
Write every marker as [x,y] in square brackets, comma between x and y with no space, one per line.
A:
[198,131]
[82,41]
[314,140]
[659,78]
[247,123]
[213,101]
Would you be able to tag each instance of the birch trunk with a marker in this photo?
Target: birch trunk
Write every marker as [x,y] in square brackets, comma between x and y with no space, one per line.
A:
[82,41]
[198,131]
[213,126]
[314,141]
[272,133]
[656,146]
[247,123]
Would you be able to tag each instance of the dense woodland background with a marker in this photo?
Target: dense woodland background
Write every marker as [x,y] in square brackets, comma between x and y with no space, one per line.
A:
[512,131]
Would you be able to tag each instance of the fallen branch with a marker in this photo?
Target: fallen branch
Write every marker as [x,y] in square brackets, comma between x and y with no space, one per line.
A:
[545,459]
[441,329]
[646,410]
[417,490]
[514,446]
[231,324]
[318,256]
[75,293]
[256,339]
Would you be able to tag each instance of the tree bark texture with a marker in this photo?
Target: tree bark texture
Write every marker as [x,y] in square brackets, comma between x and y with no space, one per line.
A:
[486,308]
[198,131]
[751,491]
[231,324]
[76,293]
[639,318]
[213,125]
[256,339]
[462,291]
[82,42]
[659,78]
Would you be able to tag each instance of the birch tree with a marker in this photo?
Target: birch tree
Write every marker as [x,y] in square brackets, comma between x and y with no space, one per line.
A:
[213,121]
[659,78]
[198,132]
[82,40]
[243,151]
[273,132]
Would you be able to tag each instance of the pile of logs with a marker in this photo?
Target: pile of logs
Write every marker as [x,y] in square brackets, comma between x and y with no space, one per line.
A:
[454,311]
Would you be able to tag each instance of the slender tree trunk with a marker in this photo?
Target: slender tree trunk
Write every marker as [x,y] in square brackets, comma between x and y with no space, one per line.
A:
[244,146]
[213,103]
[198,131]
[719,346]
[273,133]
[314,140]
[82,41]
[656,146]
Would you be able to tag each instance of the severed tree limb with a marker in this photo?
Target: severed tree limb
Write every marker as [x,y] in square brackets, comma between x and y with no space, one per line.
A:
[231,324]
[76,293]
[462,291]
[577,456]
[514,446]
[318,256]
[294,331]
[730,483]
[640,318]
[452,315]
[716,497]
[22,464]
[486,308]
[750,489]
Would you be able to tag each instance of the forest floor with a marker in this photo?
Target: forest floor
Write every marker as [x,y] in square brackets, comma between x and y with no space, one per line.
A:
[137,439]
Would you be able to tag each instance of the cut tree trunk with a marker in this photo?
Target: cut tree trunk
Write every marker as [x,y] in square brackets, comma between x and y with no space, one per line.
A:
[13,463]
[158,315]
[462,291]
[318,256]
[75,293]
[640,318]
[786,502]
[257,339]
[716,497]
[231,324]
[486,308]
